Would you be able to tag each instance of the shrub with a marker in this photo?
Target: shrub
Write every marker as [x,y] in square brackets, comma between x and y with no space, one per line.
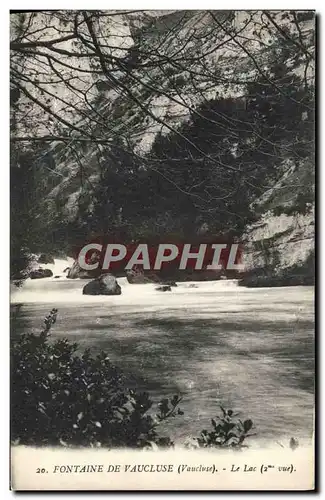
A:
[226,432]
[61,398]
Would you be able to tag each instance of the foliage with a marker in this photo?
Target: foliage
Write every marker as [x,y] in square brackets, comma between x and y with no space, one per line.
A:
[60,398]
[30,178]
[226,432]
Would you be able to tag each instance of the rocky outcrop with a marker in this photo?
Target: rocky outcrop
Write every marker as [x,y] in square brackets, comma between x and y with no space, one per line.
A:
[279,251]
[104,285]
[276,281]
[169,283]
[197,275]
[279,246]
[40,273]
[138,277]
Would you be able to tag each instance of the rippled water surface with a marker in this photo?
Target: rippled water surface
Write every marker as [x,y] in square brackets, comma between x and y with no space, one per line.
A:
[251,350]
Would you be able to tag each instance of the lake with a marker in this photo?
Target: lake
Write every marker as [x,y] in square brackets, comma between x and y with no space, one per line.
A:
[250,350]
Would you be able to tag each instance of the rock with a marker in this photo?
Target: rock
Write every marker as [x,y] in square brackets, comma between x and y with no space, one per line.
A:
[279,245]
[77,272]
[169,283]
[57,277]
[276,281]
[300,274]
[104,285]
[137,277]
[40,273]
[164,288]
[45,258]
[183,275]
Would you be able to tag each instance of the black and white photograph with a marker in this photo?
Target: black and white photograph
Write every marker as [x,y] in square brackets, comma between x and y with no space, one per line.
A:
[162,249]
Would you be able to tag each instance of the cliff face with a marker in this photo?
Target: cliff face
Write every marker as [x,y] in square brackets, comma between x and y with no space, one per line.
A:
[279,246]
[206,118]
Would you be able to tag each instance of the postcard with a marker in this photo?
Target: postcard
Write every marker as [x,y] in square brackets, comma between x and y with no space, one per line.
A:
[162,250]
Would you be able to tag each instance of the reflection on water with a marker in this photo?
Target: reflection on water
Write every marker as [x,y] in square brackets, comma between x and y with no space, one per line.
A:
[251,350]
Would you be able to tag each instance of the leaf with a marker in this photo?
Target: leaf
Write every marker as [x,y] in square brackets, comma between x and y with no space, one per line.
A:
[231,435]
[98,424]
[80,416]
[175,399]
[248,424]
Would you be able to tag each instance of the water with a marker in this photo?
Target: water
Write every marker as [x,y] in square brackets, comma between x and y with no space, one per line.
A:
[251,350]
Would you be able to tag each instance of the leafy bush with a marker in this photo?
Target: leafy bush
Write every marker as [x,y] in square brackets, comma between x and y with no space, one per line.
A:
[61,398]
[226,432]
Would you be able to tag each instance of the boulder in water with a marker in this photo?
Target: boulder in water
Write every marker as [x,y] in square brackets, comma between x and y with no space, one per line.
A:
[138,277]
[104,285]
[169,283]
[40,273]
[276,281]
[163,288]
[77,272]
[45,258]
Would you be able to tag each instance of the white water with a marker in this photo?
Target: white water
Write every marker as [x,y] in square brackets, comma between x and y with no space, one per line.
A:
[248,349]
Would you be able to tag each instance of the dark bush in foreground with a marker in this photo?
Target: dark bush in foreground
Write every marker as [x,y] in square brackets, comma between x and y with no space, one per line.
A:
[226,431]
[61,398]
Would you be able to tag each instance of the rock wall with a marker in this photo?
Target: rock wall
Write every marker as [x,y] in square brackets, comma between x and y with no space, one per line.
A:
[279,250]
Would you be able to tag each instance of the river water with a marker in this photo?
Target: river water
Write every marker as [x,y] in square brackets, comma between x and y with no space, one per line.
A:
[251,350]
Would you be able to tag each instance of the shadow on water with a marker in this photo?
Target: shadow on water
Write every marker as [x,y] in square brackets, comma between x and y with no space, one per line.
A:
[173,340]
[19,322]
